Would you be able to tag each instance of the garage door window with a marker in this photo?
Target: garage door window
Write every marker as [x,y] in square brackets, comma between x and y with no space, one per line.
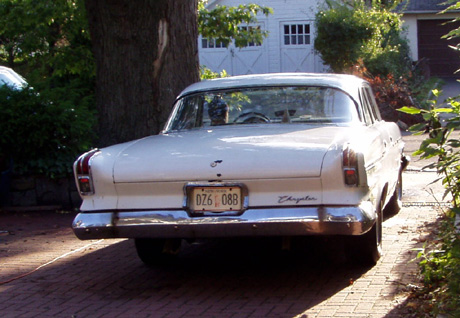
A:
[296,34]
[212,44]
[250,30]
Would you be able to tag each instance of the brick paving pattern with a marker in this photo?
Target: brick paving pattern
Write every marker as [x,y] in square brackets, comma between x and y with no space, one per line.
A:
[229,278]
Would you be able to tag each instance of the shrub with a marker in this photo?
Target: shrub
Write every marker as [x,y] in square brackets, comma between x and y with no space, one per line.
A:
[391,94]
[440,270]
[347,33]
[206,73]
[40,135]
[340,37]
[440,267]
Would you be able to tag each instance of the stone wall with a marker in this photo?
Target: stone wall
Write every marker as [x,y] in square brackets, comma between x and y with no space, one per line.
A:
[38,192]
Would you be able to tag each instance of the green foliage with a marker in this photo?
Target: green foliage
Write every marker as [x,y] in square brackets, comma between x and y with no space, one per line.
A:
[439,142]
[347,33]
[441,267]
[45,128]
[440,270]
[340,37]
[46,36]
[48,42]
[206,73]
[224,23]
[455,33]
[41,136]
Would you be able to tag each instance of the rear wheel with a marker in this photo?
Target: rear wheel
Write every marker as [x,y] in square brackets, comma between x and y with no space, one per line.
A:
[395,204]
[157,251]
[366,249]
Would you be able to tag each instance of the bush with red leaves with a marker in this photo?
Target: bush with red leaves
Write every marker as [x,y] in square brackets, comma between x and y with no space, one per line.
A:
[391,94]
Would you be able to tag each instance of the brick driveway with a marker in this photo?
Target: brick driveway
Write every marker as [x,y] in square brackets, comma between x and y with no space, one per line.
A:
[46,272]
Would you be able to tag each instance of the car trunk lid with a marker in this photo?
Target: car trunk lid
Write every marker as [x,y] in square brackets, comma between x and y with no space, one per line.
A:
[227,153]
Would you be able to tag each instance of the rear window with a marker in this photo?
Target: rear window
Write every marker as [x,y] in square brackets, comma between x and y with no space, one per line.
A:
[267,105]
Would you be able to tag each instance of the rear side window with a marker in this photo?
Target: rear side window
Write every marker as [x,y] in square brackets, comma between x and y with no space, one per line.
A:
[373,104]
[370,108]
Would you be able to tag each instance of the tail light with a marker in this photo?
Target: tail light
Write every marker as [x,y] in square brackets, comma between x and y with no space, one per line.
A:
[82,169]
[350,166]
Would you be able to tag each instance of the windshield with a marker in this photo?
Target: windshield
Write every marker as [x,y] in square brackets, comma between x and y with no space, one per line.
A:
[272,105]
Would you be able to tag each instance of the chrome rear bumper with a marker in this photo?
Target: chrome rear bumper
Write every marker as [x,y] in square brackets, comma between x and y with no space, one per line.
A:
[296,221]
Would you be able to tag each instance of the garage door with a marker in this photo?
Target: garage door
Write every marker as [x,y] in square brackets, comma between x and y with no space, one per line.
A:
[252,59]
[443,61]
[297,54]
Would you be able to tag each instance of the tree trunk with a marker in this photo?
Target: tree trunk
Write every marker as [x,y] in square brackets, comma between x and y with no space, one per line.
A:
[146,52]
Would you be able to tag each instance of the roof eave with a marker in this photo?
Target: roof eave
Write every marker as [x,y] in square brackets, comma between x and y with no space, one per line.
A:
[428,12]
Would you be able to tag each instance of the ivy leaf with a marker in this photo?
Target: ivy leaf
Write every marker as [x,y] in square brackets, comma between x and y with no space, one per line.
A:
[410,110]
[443,110]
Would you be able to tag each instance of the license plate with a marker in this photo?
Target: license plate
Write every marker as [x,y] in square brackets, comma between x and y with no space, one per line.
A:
[215,199]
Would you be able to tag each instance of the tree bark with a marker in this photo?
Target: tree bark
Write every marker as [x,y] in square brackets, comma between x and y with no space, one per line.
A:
[146,52]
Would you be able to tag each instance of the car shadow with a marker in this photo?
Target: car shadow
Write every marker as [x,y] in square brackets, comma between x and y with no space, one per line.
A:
[224,277]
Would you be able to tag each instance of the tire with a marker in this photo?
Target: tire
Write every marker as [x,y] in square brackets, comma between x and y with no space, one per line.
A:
[366,249]
[154,252]
[395,204]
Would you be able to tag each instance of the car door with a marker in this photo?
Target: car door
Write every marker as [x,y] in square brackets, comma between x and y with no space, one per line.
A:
[389,134]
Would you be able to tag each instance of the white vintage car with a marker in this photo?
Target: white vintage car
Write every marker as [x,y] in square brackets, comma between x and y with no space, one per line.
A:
[257,155]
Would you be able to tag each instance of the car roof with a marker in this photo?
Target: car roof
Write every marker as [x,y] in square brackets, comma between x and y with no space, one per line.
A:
[347,83]
[10,77]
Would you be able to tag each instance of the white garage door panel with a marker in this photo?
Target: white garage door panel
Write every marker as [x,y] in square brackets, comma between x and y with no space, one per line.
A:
[250,61]
[296,43]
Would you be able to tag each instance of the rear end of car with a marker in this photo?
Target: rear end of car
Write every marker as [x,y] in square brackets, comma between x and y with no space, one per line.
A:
[288,157]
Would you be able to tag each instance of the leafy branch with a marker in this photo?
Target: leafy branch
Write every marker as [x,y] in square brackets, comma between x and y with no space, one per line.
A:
[439,142]
[223,24]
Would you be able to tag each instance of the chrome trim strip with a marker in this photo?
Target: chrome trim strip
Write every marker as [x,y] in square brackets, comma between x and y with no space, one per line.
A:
[335,220]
